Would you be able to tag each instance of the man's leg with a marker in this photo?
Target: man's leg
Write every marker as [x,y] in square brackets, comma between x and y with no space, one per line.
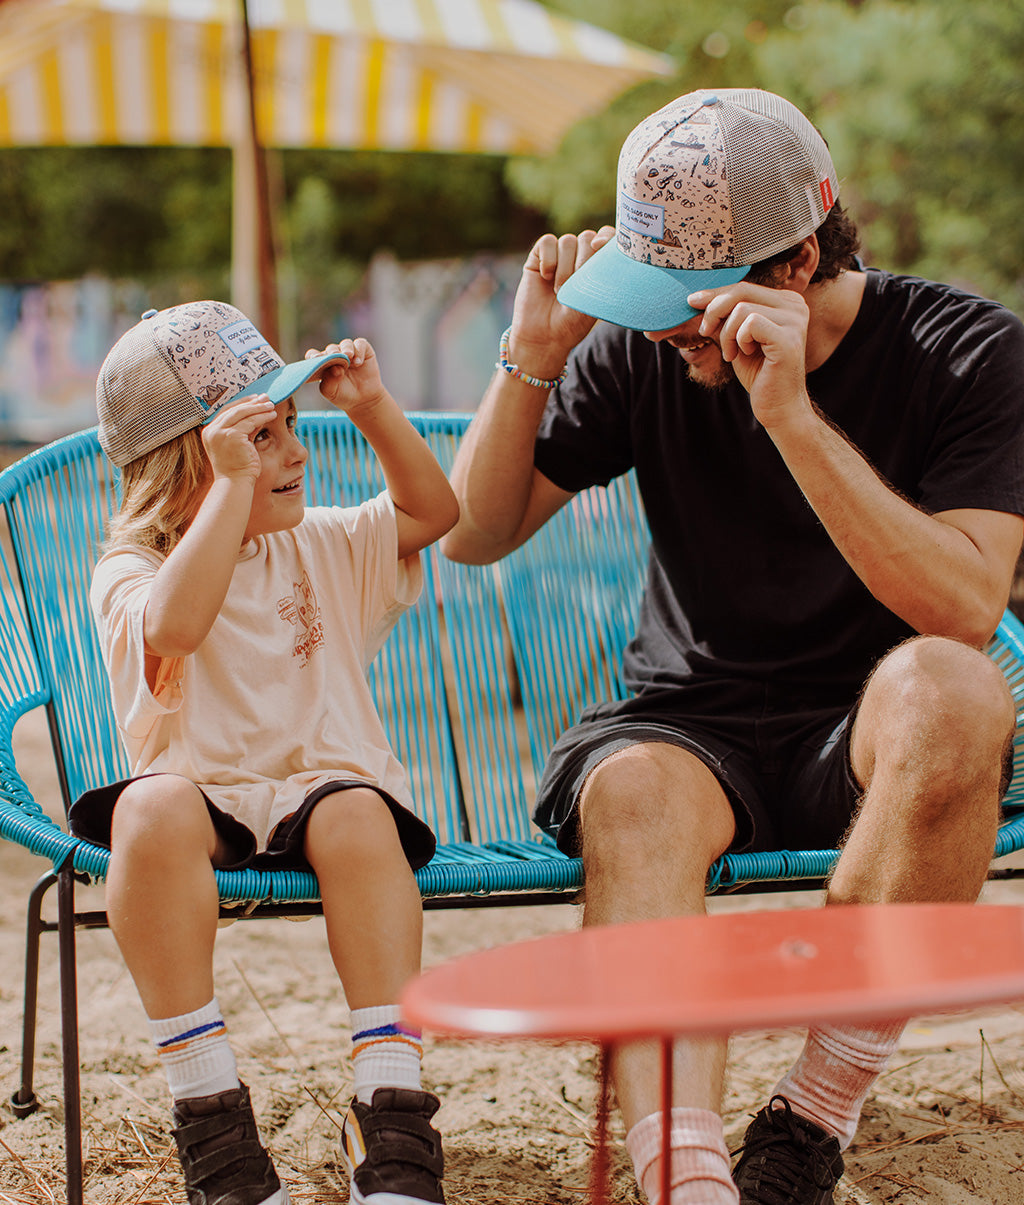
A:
[929,746]
[653,819]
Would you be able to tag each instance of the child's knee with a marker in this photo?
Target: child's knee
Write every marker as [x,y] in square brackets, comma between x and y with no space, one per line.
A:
[356,822]
[163,810]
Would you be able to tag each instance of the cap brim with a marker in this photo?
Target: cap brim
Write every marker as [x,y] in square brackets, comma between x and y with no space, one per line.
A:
[281,383]
[644,297]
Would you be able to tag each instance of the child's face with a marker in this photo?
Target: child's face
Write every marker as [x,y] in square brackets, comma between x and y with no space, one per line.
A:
[278,500]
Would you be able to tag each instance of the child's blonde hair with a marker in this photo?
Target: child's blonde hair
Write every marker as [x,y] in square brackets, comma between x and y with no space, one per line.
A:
[160,494]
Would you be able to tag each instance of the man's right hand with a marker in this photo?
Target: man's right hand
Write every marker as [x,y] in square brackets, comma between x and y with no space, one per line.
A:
[543,330]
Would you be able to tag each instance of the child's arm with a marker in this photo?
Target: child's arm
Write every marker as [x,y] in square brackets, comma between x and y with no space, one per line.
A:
[189,588]
[425,504]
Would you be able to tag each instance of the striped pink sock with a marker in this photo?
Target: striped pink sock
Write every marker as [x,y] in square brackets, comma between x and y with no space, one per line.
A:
[700,1159]
[830,1081]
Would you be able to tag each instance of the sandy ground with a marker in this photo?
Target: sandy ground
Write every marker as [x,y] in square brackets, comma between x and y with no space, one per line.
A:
[945,1125]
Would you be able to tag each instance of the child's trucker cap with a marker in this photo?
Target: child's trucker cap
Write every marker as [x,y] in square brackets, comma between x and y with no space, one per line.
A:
[179,367]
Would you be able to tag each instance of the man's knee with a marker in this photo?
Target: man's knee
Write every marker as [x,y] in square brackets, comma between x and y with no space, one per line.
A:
[648,801]
[935,703]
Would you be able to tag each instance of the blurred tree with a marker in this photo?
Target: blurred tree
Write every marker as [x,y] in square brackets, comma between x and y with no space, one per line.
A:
[145,212]
[715,47]
[922,102]
[123,211]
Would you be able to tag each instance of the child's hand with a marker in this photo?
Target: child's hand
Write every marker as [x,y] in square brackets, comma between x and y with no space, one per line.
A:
[355,384]
[228,439]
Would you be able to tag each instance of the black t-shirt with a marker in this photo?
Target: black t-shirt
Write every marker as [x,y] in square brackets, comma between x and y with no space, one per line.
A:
[743,580]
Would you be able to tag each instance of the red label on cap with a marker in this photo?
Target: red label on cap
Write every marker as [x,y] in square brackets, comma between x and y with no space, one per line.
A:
[827,199]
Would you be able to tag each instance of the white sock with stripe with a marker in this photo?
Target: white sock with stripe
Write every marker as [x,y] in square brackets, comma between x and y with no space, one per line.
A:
[385,1052]
[195,1053]
[699,1172]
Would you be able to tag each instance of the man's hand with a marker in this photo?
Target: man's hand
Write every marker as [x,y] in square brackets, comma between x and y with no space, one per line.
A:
[228,439]
[543,330]
[354,385]
[762,333]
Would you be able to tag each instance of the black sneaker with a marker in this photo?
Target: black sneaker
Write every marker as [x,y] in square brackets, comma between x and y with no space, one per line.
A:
[221,1154]
[786,1160]
[391,1150]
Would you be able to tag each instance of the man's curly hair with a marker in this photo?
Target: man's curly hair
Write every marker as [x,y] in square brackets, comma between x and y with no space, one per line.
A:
[838,244]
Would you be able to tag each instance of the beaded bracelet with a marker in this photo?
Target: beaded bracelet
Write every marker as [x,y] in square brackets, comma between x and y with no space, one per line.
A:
[514,370]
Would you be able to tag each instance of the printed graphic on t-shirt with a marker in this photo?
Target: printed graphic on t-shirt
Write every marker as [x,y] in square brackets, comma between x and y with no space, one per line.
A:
[303,612]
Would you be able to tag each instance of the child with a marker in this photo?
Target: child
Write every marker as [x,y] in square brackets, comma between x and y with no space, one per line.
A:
[236,627]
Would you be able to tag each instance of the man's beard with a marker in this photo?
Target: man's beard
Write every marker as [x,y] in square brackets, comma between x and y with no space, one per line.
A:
[713,379]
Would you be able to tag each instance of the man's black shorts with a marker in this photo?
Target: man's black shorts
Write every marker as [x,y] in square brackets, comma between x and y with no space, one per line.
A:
[784,767]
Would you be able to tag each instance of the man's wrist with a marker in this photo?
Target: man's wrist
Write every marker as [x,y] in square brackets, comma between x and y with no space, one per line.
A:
[541,370]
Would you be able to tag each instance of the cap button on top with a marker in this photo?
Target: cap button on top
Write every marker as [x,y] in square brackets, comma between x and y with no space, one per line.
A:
[150,314]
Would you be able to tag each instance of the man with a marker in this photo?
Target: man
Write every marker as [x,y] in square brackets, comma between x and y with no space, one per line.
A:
[831,463]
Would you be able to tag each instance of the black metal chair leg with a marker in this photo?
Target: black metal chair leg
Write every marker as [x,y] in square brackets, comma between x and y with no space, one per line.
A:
[24,1101]
[69,1032]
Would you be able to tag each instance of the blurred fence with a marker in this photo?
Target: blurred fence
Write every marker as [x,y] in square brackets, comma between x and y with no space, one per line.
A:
[435,326]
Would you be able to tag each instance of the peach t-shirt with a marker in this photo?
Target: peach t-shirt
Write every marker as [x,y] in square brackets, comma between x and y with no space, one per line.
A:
[275,701]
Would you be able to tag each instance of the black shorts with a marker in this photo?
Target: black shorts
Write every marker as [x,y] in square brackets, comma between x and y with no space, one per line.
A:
[91,815]
[785,769]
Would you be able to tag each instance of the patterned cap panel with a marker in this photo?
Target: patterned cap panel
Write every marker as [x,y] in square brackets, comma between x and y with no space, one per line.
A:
[172,370]
[214,348]
[673,208]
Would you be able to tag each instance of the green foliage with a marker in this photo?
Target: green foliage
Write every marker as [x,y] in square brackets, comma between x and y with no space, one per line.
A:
[923,106]
[150,212]
[127,211]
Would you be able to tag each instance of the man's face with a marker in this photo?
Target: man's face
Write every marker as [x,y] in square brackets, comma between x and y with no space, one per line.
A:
[703,357]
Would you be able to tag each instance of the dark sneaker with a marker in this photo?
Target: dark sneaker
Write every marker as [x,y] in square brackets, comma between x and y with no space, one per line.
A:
[786,1160]
[391,1150]
[221,1154]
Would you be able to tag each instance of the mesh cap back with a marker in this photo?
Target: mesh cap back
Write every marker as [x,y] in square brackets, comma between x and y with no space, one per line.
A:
[174,370]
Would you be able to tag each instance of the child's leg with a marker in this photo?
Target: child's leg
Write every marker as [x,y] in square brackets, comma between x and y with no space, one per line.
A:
[374,919]
[161,892]
[352,843]
[162,906]
[372,907]
[162,909]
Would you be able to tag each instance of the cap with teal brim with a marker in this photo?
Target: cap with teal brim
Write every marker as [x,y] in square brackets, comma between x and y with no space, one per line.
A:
[710,184]
[280,383]
[644,297]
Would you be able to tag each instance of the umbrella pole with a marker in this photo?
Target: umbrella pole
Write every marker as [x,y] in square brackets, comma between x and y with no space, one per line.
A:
[254,275]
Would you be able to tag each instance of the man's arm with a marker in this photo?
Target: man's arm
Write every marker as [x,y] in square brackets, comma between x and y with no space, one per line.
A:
[945,574]
[503,498]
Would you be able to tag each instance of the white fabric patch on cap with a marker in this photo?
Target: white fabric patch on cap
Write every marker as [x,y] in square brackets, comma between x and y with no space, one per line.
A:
[242,338]
[648,220]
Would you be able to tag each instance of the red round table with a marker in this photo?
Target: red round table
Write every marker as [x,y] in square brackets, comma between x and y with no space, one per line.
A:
[715,975]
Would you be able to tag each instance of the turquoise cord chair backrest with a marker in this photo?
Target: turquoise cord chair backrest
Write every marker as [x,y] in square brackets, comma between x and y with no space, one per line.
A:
[473,686]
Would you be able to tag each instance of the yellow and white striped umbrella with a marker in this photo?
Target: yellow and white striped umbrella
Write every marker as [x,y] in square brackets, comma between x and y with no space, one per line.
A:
[506,76]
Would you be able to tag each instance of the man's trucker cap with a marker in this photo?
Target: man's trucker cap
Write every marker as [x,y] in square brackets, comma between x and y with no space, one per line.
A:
[707,186]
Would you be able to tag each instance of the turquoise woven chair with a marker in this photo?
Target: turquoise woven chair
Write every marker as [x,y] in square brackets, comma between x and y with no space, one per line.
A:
[474,687]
